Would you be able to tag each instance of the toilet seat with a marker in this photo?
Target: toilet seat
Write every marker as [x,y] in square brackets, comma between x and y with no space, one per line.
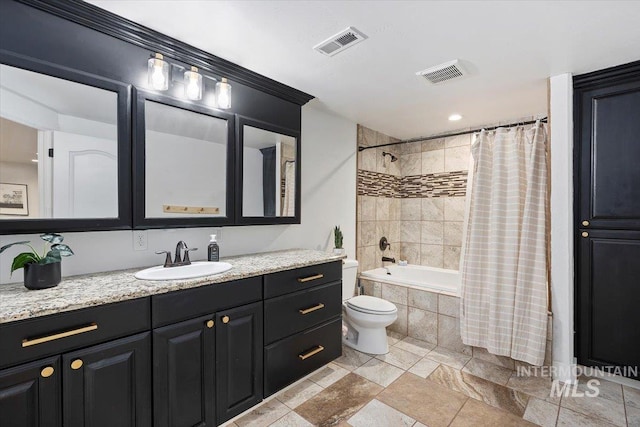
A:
[371,305]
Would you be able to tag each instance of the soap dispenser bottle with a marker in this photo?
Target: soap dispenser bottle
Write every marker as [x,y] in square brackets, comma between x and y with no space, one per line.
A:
[213,253]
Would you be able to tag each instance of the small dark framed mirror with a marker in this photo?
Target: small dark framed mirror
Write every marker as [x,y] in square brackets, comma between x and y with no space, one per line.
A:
[269,173]
[183,156]
[65,155]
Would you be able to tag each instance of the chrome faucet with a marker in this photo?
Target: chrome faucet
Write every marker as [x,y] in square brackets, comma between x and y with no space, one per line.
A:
[178,260]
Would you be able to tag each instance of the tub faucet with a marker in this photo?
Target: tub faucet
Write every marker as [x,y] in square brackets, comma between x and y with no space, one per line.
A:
[387,259]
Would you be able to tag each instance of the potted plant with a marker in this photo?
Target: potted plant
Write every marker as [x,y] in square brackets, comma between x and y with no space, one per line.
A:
[41,271]
[337,238]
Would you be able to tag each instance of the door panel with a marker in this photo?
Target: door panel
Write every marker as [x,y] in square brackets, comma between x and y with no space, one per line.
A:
[30,394]
[109,384]
[610,149]
[184,374]
[608,295]
[239,346]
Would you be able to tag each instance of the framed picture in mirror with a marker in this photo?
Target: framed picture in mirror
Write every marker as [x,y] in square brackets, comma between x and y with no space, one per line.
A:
[14,199]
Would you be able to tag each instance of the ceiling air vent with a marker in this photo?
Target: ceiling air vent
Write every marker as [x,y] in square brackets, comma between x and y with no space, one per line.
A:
[443,72]
[339,42]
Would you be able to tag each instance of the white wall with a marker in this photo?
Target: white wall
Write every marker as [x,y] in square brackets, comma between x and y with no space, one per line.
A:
[252,200]
[562,285]
[328,199]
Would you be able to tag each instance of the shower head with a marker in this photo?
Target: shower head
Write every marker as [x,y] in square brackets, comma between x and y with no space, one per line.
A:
[393,158]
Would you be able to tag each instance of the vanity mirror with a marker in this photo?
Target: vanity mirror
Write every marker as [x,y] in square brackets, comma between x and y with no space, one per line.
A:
[64,154]
[269,174]
[183,174]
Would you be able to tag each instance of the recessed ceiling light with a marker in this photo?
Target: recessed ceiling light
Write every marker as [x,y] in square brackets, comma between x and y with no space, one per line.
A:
[454,117]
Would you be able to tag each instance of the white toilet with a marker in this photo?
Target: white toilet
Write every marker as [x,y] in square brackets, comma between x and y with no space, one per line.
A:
[365,317]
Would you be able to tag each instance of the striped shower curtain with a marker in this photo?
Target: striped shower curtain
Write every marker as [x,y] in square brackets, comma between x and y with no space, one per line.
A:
[504,270]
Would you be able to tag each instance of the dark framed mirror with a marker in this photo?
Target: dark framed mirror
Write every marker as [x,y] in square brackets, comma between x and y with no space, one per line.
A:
[183,163]
[268,173]
[65,154]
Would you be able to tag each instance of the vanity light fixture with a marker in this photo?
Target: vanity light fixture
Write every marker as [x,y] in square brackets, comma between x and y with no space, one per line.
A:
[223,94]
[158,72]
[193,84]
[455,117]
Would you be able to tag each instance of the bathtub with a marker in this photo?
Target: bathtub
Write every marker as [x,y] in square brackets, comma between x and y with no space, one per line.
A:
[429,278]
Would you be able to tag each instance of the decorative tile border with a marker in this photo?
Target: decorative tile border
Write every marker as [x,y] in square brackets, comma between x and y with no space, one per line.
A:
[443,184]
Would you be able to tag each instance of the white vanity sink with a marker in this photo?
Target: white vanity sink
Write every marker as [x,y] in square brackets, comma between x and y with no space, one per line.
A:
[193,270]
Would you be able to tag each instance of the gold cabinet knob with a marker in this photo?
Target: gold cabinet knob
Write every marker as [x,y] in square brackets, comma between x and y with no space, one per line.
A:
[210,324]
[585,223]
[47,372]
[585,234]
[76,364]
[225,319]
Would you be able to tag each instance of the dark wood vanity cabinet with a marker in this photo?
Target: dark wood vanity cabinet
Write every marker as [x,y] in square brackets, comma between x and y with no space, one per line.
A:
[191,357]
[30,394]
[184,373]
[303,326]
[238,360]
[108,384]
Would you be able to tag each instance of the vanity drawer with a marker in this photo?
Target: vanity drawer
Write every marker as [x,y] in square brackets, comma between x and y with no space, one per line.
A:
[292,358]
[189,303]
[288,281]
[291,313]
[42,336]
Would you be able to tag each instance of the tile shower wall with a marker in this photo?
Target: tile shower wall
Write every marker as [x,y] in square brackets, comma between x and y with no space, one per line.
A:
[378,204]
[416,202]
[434,175]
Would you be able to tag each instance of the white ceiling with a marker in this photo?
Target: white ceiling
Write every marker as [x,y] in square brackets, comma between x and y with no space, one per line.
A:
[511,48]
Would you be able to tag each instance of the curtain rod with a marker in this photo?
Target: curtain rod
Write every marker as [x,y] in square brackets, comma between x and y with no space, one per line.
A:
[446,135]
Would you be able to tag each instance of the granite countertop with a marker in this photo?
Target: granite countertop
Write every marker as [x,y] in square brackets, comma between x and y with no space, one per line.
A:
[75,292]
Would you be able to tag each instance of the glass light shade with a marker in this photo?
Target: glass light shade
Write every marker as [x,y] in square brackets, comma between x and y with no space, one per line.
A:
[223,94]
[158,73]
[193,84]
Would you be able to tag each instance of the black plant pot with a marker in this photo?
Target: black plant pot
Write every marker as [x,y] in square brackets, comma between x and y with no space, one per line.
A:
[42,276]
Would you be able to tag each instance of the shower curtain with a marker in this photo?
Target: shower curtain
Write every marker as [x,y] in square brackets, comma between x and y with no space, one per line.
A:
[504,270]
[288,208]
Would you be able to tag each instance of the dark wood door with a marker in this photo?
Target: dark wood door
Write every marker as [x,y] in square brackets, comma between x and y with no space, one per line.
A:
[109,384]
[184,374]
[608,298]
[609,144]
[607,190]
[30,394]
[239,346]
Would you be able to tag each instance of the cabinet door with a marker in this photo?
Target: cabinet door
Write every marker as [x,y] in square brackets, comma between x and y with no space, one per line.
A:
[238,360]
[607,299]
[30,394]
[109,384]
[184,374]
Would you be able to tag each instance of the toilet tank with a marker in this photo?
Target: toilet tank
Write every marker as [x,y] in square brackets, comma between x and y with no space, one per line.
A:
[349,275]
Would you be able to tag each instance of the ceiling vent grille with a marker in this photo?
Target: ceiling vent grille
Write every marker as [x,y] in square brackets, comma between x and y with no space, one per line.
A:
[443,72]
[339,42]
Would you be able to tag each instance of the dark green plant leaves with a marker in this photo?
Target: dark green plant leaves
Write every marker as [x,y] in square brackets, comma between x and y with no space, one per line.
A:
[5,247]
[52,256]
[63,250]
[21,259]
[52,238]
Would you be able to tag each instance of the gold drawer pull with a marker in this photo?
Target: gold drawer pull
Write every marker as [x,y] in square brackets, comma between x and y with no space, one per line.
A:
[311,353]
[225,319]
[77,364]
[30,342]
[210,324]
[311,309]
[310,278]
[47,372]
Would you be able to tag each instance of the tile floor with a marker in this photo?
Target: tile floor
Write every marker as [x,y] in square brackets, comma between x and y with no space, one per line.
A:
[418,385]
